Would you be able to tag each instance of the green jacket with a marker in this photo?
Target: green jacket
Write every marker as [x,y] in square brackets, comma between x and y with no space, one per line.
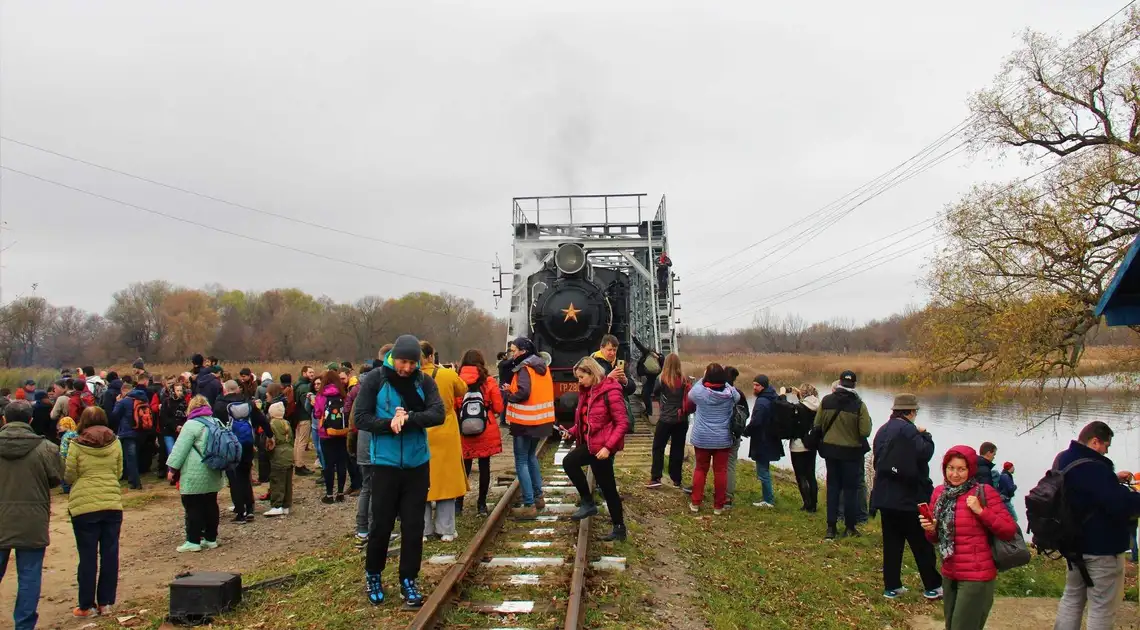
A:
[301,390]
[846,423]
[94,465]
[282,453]
[195,477]
[30,467]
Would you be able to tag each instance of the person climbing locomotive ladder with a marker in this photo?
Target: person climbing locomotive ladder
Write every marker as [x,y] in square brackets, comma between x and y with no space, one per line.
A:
[648,367]
[607,358]
[663,265]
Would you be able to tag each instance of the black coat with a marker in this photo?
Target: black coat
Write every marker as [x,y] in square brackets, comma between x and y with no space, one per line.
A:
[897,441]
[763,446]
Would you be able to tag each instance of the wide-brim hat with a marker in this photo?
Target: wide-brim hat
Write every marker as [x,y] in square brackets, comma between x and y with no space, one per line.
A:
[905,402]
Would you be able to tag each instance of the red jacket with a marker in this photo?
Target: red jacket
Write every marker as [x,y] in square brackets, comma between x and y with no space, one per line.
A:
[75,406]
[973,560]
[490,441]
[601,417]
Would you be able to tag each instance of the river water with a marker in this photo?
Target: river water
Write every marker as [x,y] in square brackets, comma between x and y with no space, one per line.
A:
[952,417]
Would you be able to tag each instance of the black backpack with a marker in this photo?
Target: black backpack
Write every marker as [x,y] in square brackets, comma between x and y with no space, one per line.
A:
[785,420]
[739,420]
[1056,529]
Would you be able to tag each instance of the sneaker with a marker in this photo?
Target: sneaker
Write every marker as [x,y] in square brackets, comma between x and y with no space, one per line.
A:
[727,505]
[328,499]
[653,485]
[209,544]
[935,593]
[232,509]
[831,533]
[302,472]
[84,612]
[447,538]
[694,508]
[274,512]
[410,593]
[763,504]
[894,593]
[188,546]
[286,511]
[483,510]
[362,536]
[240,518]
[373,588]
[718,511]
[851,532]
[687,489]
[249,517]
[340,497]
[106,610]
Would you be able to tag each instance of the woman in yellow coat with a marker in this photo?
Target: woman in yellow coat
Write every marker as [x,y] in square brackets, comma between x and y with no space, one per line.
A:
[448,479]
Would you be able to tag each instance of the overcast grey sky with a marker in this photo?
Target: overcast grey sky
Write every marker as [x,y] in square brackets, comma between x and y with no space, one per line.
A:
[417,123]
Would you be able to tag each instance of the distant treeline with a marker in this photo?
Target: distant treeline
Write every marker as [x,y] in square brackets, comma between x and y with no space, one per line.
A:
[792,334]
[163,323]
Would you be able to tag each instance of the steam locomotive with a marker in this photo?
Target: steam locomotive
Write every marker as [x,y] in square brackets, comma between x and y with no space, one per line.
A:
[573,304]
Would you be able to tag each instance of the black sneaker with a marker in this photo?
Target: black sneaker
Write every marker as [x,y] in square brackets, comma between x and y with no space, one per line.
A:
[483,509]
[302,471]
[851,532]
[240,518]
[687,489]
[340,497]
[328,499]
[831,533]
[653,484]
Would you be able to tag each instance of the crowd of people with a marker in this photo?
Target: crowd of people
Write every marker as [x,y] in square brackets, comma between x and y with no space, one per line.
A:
[403,433]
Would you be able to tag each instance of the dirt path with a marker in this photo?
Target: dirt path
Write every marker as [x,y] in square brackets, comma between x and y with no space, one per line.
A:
[1021,613]
[152,531]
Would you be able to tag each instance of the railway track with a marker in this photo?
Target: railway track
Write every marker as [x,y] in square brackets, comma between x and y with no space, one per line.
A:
[521,572]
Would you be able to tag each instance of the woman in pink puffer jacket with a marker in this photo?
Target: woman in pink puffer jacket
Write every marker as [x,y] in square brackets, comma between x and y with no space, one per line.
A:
[961,530]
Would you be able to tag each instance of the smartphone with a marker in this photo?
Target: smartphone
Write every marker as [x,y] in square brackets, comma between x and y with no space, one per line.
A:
[620,365]
[924,509]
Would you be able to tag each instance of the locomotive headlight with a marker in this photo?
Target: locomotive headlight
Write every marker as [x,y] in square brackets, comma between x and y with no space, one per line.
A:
[570,259]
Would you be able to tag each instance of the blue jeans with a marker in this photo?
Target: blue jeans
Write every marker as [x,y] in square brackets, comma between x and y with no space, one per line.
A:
[168,441]
[526,468]
[131,462]
[97,540]
[764,474]
[317,445]
[29,575]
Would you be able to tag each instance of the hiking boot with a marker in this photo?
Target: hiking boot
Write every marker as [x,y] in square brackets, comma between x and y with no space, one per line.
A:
[340,497]
[328,499]
[539,503]
[653,484]
[618,533]
[586,510]
[353,492]
[188,546]
[209,544]
[302,471]
[373,588]
[527,511]
[851,532]
[410,593]
[831,533]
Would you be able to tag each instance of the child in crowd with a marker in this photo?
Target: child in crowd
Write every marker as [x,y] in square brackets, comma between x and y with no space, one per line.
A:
[67,432]
[281,462]
[1007,488]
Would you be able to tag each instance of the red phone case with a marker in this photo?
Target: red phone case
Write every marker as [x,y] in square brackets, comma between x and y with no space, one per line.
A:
[924,509]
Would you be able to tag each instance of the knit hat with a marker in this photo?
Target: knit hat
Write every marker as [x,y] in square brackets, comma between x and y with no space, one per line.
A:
[39,395]
[761,380]
[29,382]
[407,347]
[847,379]
[66,424]
[138,364]
[215,369]
[522,343]
[277,410]
[266,376]
[1008,466]
[332,365]
[197,360]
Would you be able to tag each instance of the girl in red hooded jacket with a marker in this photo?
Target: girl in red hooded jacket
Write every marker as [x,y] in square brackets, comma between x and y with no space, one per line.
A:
[961,530]
[600,423]
[473,371]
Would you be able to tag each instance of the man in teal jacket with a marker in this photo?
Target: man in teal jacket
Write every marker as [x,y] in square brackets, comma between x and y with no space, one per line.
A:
[397,405]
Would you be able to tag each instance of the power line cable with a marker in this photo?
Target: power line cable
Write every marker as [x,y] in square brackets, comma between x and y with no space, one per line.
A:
[247,237]
[234,204]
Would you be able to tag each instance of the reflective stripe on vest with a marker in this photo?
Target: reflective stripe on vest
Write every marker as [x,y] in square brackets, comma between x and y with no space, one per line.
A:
[538,408]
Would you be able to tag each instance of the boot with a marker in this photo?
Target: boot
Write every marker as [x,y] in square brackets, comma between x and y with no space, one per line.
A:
[374,589]
[831,533]
[410,592]
[586,510]
[618,533]
[851,532]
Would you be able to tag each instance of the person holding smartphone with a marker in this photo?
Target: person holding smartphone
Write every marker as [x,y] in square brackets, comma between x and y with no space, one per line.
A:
[902,489]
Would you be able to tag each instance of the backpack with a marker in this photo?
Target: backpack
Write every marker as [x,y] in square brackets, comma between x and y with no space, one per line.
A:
[223,449]
[785,424]
[1056,529]
[472,412]
[98,388]
[333,419]
[238,414]
[739,420]
[899,460]
[142,419]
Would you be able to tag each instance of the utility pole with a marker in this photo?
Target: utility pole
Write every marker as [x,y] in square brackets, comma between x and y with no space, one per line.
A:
[497,267]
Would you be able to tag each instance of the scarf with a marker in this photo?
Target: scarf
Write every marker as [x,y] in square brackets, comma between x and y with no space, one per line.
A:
[945,511]
[405,386]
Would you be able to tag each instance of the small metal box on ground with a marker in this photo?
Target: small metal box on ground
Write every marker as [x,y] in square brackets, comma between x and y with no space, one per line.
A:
[198,596]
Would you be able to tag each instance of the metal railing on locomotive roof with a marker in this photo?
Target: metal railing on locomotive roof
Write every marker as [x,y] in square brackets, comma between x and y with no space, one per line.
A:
[616,217]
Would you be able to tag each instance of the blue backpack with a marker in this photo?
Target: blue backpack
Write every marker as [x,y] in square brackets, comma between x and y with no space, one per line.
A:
[223,450]
[239,423]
